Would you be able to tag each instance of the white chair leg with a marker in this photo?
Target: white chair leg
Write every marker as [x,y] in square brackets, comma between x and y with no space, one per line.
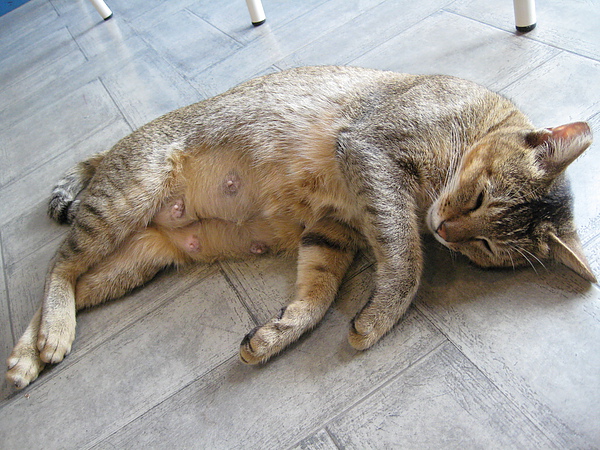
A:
[524,15]
[102,9]
[257,13]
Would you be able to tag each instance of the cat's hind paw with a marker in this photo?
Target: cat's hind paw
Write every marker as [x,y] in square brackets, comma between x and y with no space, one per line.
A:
[24,366]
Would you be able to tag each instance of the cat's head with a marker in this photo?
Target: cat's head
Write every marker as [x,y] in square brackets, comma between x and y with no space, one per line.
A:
[509,204]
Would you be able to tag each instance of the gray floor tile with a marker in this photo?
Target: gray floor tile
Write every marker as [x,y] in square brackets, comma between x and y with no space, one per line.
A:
[167,348]
[442,402]
[318,441]
[37,56]
[159,367]
[558,91]
[41,78]
[6,337]
[189,43]
[535,335]
[148,87]
[365,32]
[453,45]
[570,25]
[83,112]
[25,25]
[274,405]
[278,43]
[234,20]
[57,88]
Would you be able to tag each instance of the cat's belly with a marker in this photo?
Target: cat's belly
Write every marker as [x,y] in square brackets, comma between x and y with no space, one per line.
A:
[270,202]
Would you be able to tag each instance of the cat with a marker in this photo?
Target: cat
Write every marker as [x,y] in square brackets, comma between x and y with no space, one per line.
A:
[322,162]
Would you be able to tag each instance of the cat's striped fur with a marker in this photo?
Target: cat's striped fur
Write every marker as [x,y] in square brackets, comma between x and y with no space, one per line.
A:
[319,161]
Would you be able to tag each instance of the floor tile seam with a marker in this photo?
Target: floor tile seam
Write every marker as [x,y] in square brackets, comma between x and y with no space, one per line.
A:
[68,362]
[99,439]
[213,26]
[57,57]
[181,74]
[528,73]
[57,24]
[8,302]
[31,170]
[124,115]
[536,424]
[405,30]
[521,35]
[370,393]
[328,31]
[253,42]
[85,55]
[333,438]
[240,296]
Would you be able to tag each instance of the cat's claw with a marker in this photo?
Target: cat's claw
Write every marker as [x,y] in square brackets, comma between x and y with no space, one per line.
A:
[267,341]
[24,366]
[54,342]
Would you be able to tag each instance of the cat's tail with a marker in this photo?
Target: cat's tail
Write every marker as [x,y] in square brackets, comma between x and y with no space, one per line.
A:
[63,202]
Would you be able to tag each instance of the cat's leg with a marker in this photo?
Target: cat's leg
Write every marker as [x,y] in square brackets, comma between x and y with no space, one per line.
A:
[137,261]
[326,251]
[24,363]
[122,197]
[392,231]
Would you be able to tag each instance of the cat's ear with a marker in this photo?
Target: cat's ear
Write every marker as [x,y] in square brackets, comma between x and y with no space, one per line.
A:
[568,251]
[558,147]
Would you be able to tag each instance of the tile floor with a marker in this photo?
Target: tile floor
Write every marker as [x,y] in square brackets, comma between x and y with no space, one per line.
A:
[483,359]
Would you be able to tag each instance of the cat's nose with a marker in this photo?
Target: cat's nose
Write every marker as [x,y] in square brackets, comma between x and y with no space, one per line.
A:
[441,231]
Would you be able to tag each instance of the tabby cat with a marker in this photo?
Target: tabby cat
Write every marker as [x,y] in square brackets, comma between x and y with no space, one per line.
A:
[321,161]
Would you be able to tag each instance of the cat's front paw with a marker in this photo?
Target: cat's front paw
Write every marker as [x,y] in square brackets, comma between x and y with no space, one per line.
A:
[24,366]
[55,338]
[259,345]
[268,340]
[365,332]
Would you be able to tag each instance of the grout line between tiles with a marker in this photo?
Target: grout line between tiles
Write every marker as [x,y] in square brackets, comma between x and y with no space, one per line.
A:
[99,439]
[370,393]
[8,302]
[525,413]
[117,105]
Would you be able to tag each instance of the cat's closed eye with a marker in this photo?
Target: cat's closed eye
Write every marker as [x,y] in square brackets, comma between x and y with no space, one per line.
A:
[478,202]
[485,243]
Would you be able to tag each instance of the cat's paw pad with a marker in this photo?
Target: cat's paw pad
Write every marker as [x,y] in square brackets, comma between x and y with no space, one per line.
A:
[24,366]
[54,341]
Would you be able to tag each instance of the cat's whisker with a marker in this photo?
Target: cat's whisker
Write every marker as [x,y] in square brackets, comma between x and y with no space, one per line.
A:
[526,258]
[536,258]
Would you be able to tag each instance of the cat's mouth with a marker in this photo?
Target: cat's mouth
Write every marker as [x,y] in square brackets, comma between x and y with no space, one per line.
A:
[434,224]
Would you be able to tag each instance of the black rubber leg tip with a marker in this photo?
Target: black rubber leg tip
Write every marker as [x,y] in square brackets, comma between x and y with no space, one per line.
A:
[526,29]
[108,17]
[258,24]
